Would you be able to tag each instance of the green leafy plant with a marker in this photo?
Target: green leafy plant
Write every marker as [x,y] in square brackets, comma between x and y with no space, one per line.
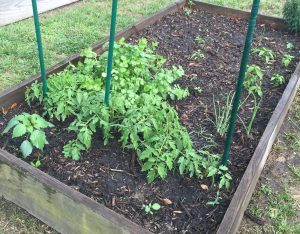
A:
[256,106]
[200,40]
[149,208]
[253,80]
[37,163]
[291,14]
[198,89]
[290,46]
[197,55]
[287,59]
[265,53]
[139,110]
[216,201]
[32,127]
[222,113]
[187,11]
[277,80]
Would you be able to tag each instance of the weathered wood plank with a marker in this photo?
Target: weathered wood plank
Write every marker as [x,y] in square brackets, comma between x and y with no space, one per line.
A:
[56,204]
[242,196]
[16,10]
[15,94]
[274,22]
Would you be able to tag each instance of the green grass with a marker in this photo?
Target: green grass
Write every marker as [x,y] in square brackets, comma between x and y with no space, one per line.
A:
[64,32]
[15,220]
[280,208]
[268,7]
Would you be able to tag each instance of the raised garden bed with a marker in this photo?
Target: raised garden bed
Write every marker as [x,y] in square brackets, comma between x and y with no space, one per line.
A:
[106,173]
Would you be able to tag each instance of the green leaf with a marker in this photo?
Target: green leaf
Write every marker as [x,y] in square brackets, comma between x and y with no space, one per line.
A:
[161,171]
[13,122]
[151,176]
[38,139]
[26,148]
[38,122]
[147,209]
[19,130]
[147,166]
[155,206]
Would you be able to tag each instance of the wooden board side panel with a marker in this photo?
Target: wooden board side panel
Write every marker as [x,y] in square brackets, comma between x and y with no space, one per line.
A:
[243,194]
[54,203]
[274,22]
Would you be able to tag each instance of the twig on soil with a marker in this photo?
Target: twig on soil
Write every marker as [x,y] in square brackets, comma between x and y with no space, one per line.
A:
[186,210]
[121,171]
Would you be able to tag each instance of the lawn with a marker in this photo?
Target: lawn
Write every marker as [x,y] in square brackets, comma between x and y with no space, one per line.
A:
[268,7]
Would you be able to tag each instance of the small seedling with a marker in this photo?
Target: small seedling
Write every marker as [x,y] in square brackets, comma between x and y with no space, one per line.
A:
[253,80]
[187,11]
[277,80]
[216,201]
[200,40]
[151,207]
[222,114]
[198,89]
[197,55]
[256,107]
[31,126]
[265,53]
[290,46]
[36,163]
[287,59]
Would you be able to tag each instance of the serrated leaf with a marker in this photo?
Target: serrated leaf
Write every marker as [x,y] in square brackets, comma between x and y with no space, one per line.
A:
[26,148]
[38,139]
[169,163]
[13,122]
[19,130]
[161,171]
[147,166]
[151,176]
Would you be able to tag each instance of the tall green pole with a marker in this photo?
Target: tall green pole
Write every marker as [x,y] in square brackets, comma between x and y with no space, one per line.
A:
[40,47]
[239,86]
[111,50]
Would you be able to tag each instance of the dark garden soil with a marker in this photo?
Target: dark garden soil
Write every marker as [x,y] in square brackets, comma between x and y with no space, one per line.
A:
[108,174]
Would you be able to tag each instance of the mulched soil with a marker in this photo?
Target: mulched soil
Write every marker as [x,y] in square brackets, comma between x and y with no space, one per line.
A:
[108,175]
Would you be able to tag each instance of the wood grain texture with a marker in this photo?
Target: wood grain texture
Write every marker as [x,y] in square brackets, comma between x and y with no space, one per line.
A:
[274,22]
[16,10]
[243,194]
[56,204]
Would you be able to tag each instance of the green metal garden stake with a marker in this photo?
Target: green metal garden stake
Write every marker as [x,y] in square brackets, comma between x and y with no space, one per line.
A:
[40,47]
[239,86]
[111,50]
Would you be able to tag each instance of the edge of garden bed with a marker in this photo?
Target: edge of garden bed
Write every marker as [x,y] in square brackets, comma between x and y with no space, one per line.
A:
[69,211]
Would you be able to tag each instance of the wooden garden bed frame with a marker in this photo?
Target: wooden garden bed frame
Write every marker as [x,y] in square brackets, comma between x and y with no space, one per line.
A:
[69,211]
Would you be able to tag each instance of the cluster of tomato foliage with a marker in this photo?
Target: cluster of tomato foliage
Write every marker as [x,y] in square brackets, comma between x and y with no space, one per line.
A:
[138,110]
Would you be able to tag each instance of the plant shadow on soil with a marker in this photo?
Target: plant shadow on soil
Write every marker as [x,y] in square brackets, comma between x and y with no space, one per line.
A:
[108,174]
